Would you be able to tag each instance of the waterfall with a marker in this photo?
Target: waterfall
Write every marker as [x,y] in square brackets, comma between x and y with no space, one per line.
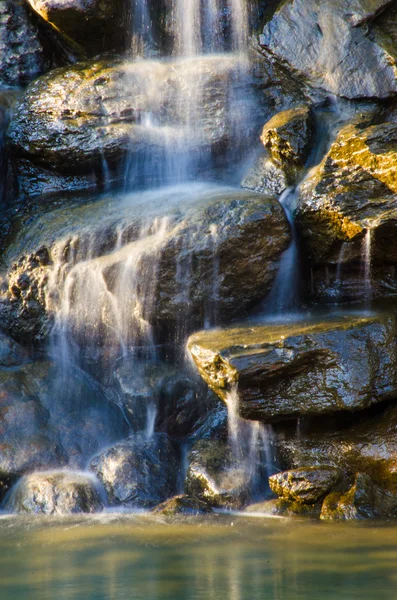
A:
[366,253]
[251,446]
[142,35]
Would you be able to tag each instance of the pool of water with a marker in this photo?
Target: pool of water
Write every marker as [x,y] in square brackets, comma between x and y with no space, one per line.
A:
[222,557]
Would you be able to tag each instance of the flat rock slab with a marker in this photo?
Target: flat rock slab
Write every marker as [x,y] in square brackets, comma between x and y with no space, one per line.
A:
[306,484]
[344,363]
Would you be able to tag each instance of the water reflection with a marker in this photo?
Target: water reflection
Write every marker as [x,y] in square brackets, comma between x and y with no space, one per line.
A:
[228,557]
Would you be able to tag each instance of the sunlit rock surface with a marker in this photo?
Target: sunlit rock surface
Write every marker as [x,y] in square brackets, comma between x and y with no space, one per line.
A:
[97,25]
[54,493]
[171,258]
[139,472]
[306,484]
[351,194]
[363,500]
[183,505]
[301,368]
[22,55]
[335,46]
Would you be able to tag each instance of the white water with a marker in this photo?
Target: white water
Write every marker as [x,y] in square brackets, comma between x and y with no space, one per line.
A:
[366,253]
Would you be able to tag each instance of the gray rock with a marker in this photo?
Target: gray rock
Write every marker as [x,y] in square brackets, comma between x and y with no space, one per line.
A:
[306,484]
[140,472]
[21,53]
[301,368]
[182,505]
[329,46]
[54,493]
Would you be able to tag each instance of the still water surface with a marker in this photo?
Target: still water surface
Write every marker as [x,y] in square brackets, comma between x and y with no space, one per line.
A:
[222,557]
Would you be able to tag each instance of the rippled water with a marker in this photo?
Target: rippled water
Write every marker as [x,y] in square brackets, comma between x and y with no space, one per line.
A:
[222,557]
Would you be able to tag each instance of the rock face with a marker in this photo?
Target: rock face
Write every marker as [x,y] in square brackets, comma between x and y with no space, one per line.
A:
[304,368]
[21,53]
[97,25]
[306,484]
[213,476]
[349,201]
[211,260]
[73,119]
[363,500]
[61,423]
[138,472]
[325,45]
[54,493]
[182,505]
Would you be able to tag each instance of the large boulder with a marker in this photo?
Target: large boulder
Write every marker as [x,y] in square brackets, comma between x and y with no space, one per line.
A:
[161,262]
[166,116]
[336,46]
[302,368]
[140,472]
[347,213]
[22,55]
[54,493]
[97,25]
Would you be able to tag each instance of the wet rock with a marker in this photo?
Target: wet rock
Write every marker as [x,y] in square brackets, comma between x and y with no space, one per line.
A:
[140,472]
[349,203]
[214,477]
[182,505]
[364,500]
[285,508]
[54,493]
[96,25]
[325,46]
[302,368]
[12,354]
[48,421]
[306,484]
[226,243]
[289,137]
[366,445]
[73,119]
[21,53]
[265,177]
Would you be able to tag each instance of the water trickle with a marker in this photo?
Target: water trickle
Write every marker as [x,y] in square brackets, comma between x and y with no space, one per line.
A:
[251,445]
[341,259]
[366,253]
[142,34]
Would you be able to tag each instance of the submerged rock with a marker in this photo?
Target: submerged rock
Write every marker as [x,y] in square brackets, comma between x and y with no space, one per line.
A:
[54,493]
[363,500]
[97,25]
[334,46]
[347,208]
[214,477]
[21,53]
[160,262]
[140,472]
[183,505]
[301,368]
[306,484]
[285,508]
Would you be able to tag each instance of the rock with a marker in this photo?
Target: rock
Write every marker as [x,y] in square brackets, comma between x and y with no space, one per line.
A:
[265,177]
[212,255]
[54,493]
[306,484]
[284,508]
[365,444]
[289,137]
[351,195]
[21,53]
[140,472]
[11,353]
[325,47]
[363,500]
[96,25]
[72,119]
[214,477]
[182,505]
[301,368]
[64,419]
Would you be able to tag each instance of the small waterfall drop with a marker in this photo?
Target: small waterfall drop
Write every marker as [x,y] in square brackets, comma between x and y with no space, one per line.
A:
[141,26]
[367,259]
[251,446]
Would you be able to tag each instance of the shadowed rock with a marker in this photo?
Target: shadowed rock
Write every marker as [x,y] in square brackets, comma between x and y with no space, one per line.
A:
[306,484]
